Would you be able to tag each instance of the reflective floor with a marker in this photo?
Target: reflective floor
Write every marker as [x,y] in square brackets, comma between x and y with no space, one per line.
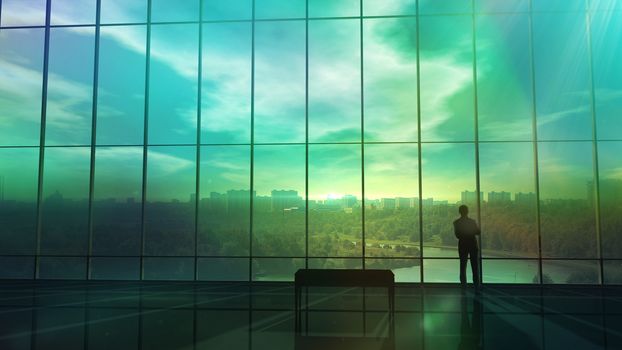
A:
[114,315]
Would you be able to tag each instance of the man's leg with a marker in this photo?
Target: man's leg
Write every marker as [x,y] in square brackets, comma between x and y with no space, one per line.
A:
[464,255]
[475,265]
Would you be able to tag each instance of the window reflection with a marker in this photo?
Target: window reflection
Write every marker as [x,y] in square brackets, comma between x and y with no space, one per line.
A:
[117,201]
[610,184]
[21,65]
[334,81]
[448,179]
[65,201]
[226,83]
[121,90]
[173,80]
[23,13]
[224,207]
[18,200]
[508,201]
[279,98]
[504,78]
[335,227]
[392,202]
[170,201]
[446,63]
[562,81]
[567,211]
[390,79]
[279,206]
[70,86]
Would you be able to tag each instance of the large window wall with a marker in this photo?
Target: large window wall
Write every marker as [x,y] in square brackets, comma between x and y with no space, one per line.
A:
[242,140]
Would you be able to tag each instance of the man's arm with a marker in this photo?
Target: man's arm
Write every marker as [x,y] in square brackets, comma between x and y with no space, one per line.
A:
[456,231]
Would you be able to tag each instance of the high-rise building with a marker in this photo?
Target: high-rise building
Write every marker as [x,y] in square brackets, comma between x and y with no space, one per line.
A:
[499,197]
[285,199]
[387,203]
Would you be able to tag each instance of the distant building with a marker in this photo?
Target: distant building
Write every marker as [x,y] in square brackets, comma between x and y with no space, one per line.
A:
[262,204]
[610,191]
[387,203]
[525,198]
[403,203]
[499,197]
[284,199]
[428,202]
[469,197]
[348,201]
[238,201]
[414,202]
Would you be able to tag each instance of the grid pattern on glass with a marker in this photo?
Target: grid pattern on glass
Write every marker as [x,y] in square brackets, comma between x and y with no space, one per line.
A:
[358,136]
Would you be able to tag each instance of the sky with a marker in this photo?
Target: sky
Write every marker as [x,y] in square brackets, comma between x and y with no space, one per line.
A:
[349,90]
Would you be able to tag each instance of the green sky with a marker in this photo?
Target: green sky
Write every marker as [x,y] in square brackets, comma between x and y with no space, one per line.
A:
[385,106]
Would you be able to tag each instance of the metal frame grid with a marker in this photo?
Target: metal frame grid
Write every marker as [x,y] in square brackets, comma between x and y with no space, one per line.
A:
[476,142]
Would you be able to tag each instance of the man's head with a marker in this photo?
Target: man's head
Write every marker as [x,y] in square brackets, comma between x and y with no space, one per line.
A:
[463,210]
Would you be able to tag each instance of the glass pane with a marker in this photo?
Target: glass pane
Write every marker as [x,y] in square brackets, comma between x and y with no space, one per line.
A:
[446,63]
[389,7]
[334,8]
[334,81]
[606,33]
[562,80]
[279,207]
[62,268]
[168,269]
[18,199]
[227,9]
[349,263]
[566,200]
[558,5]
[123,11]
[605,5]
[505,106]
[391,201]
[510,271]
[390,79]
[448,176]
[226,83]
[280,81]
[17,267]
[117,199]
[613,271]
[221,269]
[570,272]
[171,200]
[610,183]
[270,269]
[65,201]
[224,210]
[175,11]
[444,6]
[115,269]
[70,86]
[70,12]
[501,6]
[121,94]
[444,270]
[280,9]
[405,270]
[23,13]
[508,204]
[335,227]
[173,84]
[21,64]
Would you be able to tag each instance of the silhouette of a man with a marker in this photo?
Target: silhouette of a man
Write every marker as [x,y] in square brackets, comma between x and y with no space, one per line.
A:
[466,229]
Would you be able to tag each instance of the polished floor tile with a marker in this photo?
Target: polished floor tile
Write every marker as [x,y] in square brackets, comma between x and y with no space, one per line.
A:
[117,315]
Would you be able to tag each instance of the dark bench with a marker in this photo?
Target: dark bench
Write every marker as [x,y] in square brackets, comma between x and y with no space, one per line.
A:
[343,278]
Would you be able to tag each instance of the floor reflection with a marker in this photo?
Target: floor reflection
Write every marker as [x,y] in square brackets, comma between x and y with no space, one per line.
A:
[45,315]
